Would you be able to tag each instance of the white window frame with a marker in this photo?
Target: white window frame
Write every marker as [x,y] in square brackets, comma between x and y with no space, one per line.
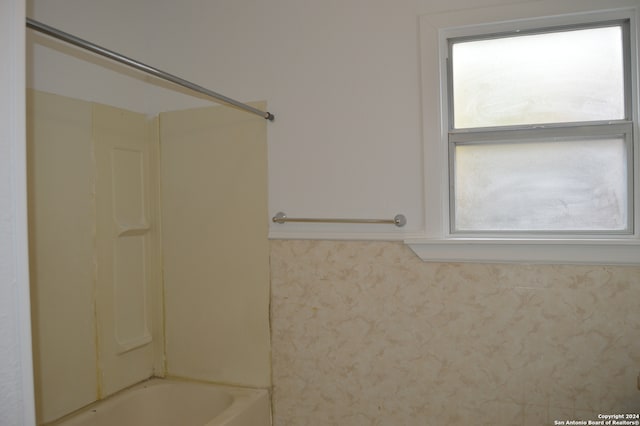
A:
[438,242]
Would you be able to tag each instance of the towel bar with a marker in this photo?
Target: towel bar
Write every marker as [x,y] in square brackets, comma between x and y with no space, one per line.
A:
[399,220]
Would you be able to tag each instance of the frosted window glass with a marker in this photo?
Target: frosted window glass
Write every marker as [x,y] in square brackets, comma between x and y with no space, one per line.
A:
[576,185]
[566,76]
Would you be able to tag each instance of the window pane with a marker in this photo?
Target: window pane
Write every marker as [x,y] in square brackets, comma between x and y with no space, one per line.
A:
[578,185]
[566,76]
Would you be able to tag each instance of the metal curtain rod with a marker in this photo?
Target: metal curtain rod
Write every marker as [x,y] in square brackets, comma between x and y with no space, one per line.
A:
[399,220]
[84,44]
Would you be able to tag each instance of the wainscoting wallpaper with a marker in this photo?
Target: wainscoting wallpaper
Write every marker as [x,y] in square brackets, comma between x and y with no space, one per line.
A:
[365,333]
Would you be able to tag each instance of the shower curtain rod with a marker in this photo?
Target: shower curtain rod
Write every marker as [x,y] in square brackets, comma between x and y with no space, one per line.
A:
[84,44]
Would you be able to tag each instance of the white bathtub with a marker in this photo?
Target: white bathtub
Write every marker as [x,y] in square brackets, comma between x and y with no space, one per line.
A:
[162,402]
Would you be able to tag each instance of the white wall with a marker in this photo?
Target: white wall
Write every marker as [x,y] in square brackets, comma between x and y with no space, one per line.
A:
[16,378]
[342,78]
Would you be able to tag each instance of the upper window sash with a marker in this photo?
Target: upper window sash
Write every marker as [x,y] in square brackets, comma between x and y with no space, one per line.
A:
[505,79]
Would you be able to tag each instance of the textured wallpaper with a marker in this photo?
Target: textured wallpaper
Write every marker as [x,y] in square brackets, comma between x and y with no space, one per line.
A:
[365,333]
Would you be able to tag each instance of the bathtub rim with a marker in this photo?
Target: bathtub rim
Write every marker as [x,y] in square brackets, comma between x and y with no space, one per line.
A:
[242,396]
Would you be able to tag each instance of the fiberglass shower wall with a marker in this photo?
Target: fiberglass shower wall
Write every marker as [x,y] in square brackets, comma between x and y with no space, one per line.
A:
[96,264]
[94,249]
[215,246]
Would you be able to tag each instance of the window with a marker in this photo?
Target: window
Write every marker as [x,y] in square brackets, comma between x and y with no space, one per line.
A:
[540,139]
[530,134]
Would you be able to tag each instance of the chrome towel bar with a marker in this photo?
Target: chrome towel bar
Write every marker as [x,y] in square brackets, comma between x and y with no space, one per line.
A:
[399,220]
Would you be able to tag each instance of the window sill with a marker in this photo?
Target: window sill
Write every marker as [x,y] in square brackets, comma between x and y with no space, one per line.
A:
[603,252]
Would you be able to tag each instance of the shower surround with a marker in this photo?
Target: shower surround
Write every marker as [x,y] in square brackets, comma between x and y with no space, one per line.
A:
[364,333]
[108,310]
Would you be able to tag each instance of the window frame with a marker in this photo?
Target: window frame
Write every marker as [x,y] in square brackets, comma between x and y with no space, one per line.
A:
[438,242]
[542,131]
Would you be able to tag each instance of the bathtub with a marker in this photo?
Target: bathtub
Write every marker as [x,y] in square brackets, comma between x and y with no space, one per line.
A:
[163,402]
